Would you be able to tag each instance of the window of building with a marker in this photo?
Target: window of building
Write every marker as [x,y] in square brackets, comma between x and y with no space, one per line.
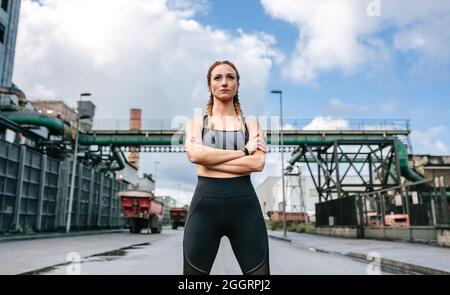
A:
[2,34]
[5,5]
[280,206]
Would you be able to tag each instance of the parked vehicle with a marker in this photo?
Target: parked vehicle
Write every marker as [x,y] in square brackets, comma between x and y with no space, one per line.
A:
[400,220]
[142,211]
[393,220]
[178,217]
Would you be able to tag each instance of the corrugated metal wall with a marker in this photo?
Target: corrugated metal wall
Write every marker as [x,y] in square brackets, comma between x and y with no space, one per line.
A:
[34,193]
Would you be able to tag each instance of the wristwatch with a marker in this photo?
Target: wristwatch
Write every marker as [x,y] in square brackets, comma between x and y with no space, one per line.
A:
[245,150]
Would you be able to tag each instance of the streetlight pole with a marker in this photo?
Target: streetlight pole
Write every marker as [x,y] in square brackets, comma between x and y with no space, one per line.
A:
[156,167]
[282,158]
[74,165]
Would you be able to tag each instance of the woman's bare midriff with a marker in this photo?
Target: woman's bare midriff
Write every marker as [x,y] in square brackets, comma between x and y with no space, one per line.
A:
[203,171]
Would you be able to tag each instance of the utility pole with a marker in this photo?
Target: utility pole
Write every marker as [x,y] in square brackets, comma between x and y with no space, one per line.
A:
[74,165]
[282,159]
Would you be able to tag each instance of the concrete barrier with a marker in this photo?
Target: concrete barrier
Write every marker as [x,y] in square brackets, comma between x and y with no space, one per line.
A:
[338,231]
[420,234]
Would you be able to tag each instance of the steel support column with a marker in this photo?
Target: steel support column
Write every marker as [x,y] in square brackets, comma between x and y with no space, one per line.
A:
[41,193]
[18,203]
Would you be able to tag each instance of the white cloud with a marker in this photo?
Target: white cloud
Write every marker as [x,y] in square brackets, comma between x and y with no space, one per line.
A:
[289,126]
[147,54]
[327,123]
[441,147]
[341,35]
[43,92]
[429,141]
[143,54]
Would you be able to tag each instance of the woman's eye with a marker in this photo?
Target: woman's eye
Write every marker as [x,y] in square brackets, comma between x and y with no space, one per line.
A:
[217,78]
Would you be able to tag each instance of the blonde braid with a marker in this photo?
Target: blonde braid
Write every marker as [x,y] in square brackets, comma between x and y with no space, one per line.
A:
[209,111]
[238,110]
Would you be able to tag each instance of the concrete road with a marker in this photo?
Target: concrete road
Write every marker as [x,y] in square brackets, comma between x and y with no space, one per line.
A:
[143,254]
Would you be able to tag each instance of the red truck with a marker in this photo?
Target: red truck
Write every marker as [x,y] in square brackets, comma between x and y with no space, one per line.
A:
[178,217]
[142,211]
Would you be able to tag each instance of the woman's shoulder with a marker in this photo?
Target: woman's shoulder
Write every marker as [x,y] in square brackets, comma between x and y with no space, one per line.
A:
[195,121]
[251,121]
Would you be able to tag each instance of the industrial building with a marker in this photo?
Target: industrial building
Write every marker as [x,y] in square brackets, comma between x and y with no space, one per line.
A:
[9,21]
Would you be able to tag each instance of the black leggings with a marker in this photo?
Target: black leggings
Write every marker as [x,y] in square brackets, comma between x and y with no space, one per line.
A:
[225,207]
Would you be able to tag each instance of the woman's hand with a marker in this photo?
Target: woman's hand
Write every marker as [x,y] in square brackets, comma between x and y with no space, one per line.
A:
[256,143]
[252,145]
[262,145]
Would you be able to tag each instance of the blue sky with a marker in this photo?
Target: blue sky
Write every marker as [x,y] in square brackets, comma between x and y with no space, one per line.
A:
[422,99]
[331,59]
[334,60]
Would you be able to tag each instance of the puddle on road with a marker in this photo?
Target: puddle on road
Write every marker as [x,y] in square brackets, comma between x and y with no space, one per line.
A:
[101,257]
[42,270]
[115,254]
[121,251]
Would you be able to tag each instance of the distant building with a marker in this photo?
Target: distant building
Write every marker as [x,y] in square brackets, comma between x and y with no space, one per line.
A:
[129,175]
[298,198]
[146,183]
[301,195]
[56,108]
[433,167]
[59,109]
[169,203]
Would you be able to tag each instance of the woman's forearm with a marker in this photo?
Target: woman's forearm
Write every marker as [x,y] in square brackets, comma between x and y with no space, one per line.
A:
[204,155]
[243,165]
[237,170]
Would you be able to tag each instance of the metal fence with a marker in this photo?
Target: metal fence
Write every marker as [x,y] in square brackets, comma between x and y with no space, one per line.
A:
[424,203]
[267,122]
[34,193]
[411,211]
[338,212]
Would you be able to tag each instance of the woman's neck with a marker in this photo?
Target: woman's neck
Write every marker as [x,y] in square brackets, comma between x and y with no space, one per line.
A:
[223,109]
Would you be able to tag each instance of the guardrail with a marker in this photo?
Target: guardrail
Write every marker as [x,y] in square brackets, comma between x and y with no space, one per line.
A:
[267,123]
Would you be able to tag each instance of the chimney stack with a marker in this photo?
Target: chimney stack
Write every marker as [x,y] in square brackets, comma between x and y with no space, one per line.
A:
[135,124]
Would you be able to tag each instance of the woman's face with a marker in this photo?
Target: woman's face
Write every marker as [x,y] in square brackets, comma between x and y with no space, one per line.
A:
[224,84]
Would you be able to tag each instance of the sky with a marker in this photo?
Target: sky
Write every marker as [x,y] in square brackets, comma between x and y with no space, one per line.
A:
[333,60]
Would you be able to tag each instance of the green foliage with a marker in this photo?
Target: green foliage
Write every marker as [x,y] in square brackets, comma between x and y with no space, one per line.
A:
[275,225]
[28,230]
[292,227]
[20,230]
